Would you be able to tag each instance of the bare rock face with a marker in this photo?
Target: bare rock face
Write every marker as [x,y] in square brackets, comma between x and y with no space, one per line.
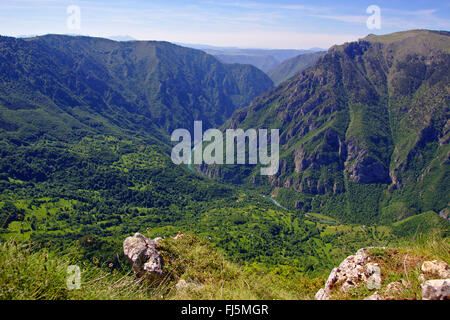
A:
[351,272]
[436,290]
[364,168]
[143,254]
[437,268]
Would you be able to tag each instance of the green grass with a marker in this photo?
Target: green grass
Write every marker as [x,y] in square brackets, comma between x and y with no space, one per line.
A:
[31,274]
[27,274]
[321,217]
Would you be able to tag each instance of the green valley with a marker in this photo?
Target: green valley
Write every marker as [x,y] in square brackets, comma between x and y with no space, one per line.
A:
[85,147]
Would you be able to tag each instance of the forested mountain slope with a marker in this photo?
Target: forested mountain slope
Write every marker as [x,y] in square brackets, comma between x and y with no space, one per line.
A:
[67,86]
[364,133]
[293,66]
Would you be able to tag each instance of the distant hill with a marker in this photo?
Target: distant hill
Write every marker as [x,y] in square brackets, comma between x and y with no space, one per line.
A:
[293,66]
[263,59]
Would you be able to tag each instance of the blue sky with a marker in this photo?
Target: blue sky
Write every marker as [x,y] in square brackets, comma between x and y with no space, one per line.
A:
[247,24]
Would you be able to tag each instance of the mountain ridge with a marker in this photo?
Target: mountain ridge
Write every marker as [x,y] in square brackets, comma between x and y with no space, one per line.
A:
[132,84]
[293,66]
[368,118]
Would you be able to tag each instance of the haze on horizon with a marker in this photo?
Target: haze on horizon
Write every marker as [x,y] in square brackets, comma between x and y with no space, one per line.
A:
[284,24]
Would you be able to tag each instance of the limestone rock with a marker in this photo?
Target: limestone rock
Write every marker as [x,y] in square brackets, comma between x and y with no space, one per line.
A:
[436,267]
[322,294]
[374,273]
[353,270]
[436,290]
[143,255]
[363,167]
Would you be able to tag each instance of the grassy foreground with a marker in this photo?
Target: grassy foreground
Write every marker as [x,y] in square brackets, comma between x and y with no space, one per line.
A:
[27,273]
[31,273]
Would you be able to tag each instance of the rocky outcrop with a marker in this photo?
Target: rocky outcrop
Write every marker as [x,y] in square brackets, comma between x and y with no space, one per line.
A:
[436,290]
[353,271]
[363,167]
[143,254]
[436,268]
[361,269]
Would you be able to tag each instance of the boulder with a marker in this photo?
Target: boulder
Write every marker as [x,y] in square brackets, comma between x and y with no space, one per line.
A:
[143,255]
[436,290]
[437,268]
[353,270]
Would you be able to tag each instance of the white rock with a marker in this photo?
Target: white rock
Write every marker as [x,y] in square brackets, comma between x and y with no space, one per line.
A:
[436,289]
[143,255]
[436,267]
[354,269]
[373,272]
[322,294]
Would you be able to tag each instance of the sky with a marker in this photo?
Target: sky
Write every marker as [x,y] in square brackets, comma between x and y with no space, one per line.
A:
[282,24]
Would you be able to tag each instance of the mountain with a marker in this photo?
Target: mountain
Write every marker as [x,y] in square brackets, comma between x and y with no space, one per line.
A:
[69,85]
[263,59]
[85,162]
[262,62]
[85,152]
[364,133]
[293,66]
